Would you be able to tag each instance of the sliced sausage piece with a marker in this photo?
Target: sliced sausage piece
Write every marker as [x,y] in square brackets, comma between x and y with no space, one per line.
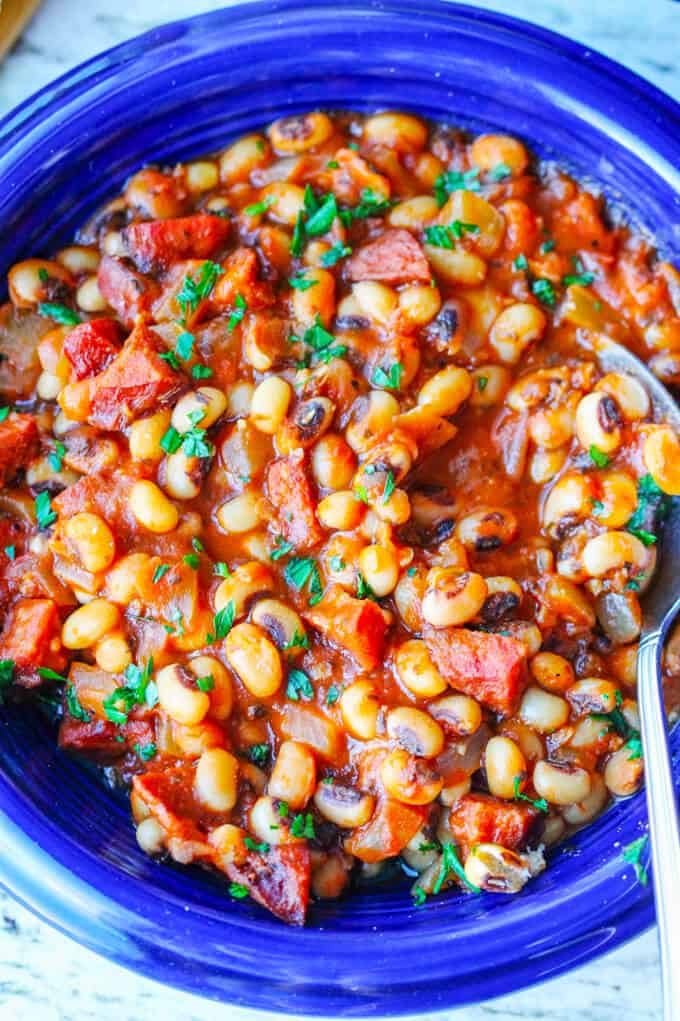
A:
[489,667]
[481,819]
[155,245]
[91,346]
[290,491]
[393,258]
[136,381]
[278,879]
[169,797]
[387,833]
[126,291]
[101,738]
[29,630]
[19,439]
[356,626]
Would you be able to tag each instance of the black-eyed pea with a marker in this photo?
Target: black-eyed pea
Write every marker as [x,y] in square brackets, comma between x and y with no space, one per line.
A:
[542,710]
[286,201]
[113,244]
[416,731]
[240,514]
[472,210]
[90,538]
[420,852]
[269,404]
[28,281]
[505,766]
[401,132]
[112,653]
[598,422]
[301,132]
[622,664]
[340,511]
[459,715]
[333,462]
[413,213]
[330,876]
[452,599]
[240,159]
[531,744]
[229,843]
[151,836]
[503,596]
[360,708]
[375,300]
[488,528]
[239,399]
[496,869]
[418,305]
[516,327]
[614,551]
[78,259]
[255,658]
[593,695]
[212,674]
[571,497]
[617,499]
[216,780]
[200,407]
[661,454]
[552,672]
[409,779]
[293,776]
[396,509]
[182,476]
[452,793]
[489,385]
[446,390]
[89,297]
[122,581]
[85,626]
[146,434]
[344,806]
[427,168]
[666,367]
[552,428]
[544,465]
[554,829]
[630,395]
[379,567]
[583,812]
[247,581]
[456,265]
[561,783]
[151,507]
[201,176]
[371,418]
[416,670]
[490,151]
[156,195]
[283,625]
[624,772]
[408,597]
[316,300]
[268,823]
[309,421]
[180,697]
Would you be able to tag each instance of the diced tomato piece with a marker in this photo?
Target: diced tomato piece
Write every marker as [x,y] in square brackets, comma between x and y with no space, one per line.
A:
[136,381]
[356,626]
[126,291]
[290,491]
[481,819]
[28,632]
[487,666]
[579,225]
[387,833]
[278,879]
[393,258]
[18,444]
[153,246]
[91,346]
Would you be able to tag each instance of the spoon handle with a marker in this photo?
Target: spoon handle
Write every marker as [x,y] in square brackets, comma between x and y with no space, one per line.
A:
[663,818]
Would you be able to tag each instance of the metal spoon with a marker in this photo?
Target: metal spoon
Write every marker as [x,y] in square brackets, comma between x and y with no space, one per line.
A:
[659,610]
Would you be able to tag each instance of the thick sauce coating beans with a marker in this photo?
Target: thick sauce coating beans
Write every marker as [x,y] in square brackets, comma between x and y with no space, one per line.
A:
[319,514]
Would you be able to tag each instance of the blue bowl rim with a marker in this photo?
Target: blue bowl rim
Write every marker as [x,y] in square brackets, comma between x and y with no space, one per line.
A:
[106,922]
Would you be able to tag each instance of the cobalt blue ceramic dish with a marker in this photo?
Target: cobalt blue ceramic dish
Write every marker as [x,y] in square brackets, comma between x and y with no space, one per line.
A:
[67,848]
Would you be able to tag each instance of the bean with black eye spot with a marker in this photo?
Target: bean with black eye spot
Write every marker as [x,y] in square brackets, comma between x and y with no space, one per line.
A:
[499,605]
[352,323]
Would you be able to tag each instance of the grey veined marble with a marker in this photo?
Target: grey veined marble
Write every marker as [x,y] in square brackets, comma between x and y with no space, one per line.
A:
[44,976]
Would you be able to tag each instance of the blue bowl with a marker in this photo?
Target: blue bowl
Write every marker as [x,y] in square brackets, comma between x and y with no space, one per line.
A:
[67,848]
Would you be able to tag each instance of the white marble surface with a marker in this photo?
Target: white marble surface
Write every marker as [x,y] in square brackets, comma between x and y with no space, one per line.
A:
[44,976]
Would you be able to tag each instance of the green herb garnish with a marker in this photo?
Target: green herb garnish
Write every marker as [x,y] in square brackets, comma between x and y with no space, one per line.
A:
[455,180]
[240,309]
[43,510]
[539,803]
[334,254]
[193,292]
[390,379]
[597,456]
[56,457]
[59,313]
[303,826]
[544,291]
[298,685]
[632,854]
[452,863]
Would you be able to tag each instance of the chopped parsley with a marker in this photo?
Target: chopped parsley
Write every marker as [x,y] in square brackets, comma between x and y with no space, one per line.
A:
[301,283]
[199,371]
[452,863]
[257,208]
[632,853]
[301,571]
[206,683]
[419,896]
[197,545]
[176,625]
[6,675]
[598,507]
[443,237]
[159,572]
[390,379]
[221,569]
[500,172]
[171,440]
[299,685]
[389,487]
[544,291]
[547,246]
[146,751]
[59,313]
[10,552]
[617,722]
[455,180]
[51,675]
[482,383]
[193,292]
[238,891]
[635,583]
[364,590]
[520,263]
[56,457]
[361,494]
[334,254]
[652,506]
[597,456]
[298,641]
[240,309]
[139,690]
[303,826]
[336,563]
[259,754]
[322,343]
[74,707]
[252,846]
[191,560]
[43,510]
[223,622]
[581,277]
[321,219]
[283,548]
[539,803]
[4,413]
[371,204]
[332,695]
[332,165]
[184,346]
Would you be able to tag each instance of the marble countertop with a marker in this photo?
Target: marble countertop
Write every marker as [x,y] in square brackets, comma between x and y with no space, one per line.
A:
[45,976]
